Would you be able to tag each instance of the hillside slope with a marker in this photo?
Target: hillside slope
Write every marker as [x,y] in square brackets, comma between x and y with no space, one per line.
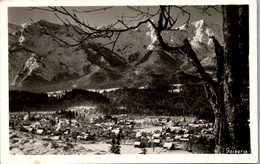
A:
[39,63]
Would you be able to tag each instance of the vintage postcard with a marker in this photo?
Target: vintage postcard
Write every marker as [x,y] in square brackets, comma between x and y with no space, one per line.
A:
[129,82]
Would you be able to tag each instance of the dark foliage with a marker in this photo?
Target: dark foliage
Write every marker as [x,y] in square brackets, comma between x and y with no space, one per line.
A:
[191,101]
[115,146]
[26,101]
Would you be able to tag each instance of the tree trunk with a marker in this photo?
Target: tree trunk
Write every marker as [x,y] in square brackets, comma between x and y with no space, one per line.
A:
[221,133]
[215,97]
[235,66]
[231,127]
[225,95]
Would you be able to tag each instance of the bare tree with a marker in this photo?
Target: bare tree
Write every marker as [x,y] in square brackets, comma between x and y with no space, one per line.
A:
[224,92]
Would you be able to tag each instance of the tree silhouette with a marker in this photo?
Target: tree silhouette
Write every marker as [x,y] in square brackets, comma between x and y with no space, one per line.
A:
[115,146]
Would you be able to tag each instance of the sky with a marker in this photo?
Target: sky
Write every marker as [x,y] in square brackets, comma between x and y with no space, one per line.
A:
[20,15]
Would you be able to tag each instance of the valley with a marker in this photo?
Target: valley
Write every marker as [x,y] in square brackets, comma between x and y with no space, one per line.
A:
[86,122]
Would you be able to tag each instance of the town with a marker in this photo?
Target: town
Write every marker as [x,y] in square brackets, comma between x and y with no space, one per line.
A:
[83,125]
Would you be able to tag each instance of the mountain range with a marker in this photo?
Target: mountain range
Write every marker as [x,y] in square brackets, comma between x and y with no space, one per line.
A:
[38,63]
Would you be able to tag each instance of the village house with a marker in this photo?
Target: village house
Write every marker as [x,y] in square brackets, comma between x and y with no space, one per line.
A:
[156,136]
[156,142]
[176,88]
[137,144]
[168,146]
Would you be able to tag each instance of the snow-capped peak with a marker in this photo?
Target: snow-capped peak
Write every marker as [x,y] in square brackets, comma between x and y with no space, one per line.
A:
[29,66]
[132,49]
[21,39]
[24,25]
[153,37]
[199,24]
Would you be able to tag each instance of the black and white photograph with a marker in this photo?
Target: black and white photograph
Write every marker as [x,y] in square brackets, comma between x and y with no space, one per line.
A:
[150,81]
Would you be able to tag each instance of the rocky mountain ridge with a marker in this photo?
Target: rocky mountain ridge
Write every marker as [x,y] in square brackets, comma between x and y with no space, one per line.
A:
[39,63]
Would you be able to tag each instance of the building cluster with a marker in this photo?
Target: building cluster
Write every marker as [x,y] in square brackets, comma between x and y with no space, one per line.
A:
[178,135]
[62,127]
[57,94]
[173,134]
[176,88]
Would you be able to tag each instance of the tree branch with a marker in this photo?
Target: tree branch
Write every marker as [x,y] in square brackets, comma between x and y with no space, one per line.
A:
[220,59]
[186,49]
[205,9]
[94,10]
